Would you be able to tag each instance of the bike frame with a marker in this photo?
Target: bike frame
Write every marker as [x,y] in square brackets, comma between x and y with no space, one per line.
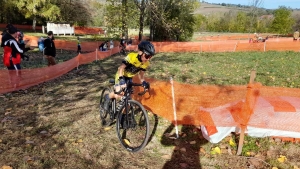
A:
[127,92]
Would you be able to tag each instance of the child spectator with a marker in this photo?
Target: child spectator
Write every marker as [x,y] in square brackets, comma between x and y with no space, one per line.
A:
[22,45]
[78,45]
[111,42]
[41,44]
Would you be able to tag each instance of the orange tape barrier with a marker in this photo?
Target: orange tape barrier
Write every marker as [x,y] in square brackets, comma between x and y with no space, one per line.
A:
[87,30]
[253,105]
[276,44]
[12,80]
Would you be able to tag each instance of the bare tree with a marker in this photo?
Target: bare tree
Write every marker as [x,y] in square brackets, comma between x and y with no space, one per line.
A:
[254,11]
[141,5]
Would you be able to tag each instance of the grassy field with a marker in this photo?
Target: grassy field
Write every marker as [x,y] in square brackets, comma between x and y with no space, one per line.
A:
[56,124]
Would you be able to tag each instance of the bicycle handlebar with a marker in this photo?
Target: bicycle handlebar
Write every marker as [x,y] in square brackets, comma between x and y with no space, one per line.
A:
[129,84]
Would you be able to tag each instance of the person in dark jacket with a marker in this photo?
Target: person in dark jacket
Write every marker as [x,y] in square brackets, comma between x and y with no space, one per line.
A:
[5,34]
[12,51]
[50,50]
[22,45]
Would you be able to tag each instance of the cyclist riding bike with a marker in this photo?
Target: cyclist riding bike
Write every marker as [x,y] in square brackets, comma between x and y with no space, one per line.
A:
[133,64]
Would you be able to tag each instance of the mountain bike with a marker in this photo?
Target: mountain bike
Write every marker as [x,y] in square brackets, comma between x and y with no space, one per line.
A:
[130,117]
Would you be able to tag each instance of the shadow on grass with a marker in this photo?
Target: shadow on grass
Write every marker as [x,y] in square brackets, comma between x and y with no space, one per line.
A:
[186,153]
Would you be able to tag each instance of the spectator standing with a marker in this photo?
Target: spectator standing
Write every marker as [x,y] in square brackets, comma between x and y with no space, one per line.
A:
[41,44]
[123,42]
[103,46]
[105,33]
[296,35]
[111,42]
[78,45]
[12,51]
[50,50]
[129,43]
[5,34]
[22,45]
[123,45]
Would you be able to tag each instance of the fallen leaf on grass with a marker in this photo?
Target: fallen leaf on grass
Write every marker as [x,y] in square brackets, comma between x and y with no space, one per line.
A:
[282,159]
[28,128]
[43,132]
[202,150]
[79,141]
[232,143]
[107,128]
[215,150]
[71,140]
[193,142]
[249,153]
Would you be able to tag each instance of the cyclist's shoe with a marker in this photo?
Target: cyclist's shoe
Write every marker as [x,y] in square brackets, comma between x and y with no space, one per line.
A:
[106,102]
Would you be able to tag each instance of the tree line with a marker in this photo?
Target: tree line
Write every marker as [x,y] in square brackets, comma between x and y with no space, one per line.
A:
[166,19]
[279,21]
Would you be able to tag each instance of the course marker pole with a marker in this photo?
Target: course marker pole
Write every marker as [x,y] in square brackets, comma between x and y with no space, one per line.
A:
[96,54]
[174,108]
[243,128]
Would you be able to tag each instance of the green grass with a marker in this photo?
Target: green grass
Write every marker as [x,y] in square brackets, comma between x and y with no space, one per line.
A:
[272,68]
[67,108]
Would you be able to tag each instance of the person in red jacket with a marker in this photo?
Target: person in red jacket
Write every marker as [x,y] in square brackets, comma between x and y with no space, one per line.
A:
[12,51]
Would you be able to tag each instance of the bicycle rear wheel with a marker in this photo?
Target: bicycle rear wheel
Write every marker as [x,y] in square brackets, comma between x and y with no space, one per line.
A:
[133,129]
[104,114]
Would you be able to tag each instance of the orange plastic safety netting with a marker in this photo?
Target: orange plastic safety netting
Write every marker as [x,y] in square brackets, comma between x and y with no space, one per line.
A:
[263,110]
[250,105]
[15,80]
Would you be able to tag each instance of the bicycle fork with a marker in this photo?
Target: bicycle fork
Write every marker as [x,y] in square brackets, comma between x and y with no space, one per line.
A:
[128,118]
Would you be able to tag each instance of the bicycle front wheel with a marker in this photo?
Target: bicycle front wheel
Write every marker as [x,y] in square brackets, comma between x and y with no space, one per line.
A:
[104,114]
[133,127]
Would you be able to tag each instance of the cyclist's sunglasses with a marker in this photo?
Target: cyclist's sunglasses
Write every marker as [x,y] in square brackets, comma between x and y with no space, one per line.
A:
[147,56]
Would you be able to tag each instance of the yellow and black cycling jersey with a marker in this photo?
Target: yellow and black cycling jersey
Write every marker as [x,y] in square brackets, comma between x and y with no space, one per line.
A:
[133,65]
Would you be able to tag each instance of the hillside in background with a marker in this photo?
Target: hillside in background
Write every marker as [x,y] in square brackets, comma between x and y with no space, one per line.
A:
[207,8]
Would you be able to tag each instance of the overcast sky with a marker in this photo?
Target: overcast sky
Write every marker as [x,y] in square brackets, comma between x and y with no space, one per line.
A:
[269,4]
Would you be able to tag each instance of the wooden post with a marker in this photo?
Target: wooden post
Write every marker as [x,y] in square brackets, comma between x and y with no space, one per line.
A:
[96,54]
[235,47]
[242,135]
